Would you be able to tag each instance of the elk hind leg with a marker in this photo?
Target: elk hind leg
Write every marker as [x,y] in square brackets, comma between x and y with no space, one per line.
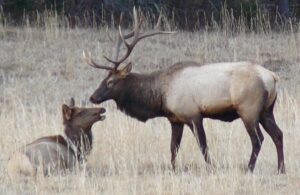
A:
[268,122]
[256,136]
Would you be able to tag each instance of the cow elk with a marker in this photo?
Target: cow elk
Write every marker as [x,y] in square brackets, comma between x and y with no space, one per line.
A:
[188,92]
[58,154]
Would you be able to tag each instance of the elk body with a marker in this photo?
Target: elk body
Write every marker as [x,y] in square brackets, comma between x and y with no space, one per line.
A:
[57,154]
[188,92]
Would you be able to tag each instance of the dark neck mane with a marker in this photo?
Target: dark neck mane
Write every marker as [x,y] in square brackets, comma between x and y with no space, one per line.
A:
[81,139]
[141,97]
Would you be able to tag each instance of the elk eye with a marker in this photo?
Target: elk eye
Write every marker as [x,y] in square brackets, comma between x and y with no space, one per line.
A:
[110,84]
[80,113]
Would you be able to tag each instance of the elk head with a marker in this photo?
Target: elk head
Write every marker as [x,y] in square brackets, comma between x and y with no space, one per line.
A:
[112,85]
[81,118]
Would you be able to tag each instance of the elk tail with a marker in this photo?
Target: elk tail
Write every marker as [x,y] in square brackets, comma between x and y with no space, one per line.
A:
[273,93]
[275,77]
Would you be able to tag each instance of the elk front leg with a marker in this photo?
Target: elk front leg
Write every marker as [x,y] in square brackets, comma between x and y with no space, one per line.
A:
[196,126]
[177,129]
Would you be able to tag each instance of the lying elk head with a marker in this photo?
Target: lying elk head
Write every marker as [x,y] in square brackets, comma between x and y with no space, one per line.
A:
[112,85]
[81,118]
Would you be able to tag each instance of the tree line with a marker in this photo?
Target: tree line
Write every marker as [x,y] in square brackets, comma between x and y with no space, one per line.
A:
[187,14]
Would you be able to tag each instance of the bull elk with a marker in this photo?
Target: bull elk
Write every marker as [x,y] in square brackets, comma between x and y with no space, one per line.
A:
[57,154]
[188,92]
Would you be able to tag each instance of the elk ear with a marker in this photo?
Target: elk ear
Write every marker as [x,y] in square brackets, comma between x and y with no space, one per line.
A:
[72,102]
[126,70]
[67,112]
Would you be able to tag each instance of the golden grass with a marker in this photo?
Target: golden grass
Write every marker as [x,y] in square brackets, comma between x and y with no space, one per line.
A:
[42,68]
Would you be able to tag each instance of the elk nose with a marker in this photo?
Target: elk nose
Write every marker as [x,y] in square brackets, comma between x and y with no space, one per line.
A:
[95,100]
[102,110]
[92,99]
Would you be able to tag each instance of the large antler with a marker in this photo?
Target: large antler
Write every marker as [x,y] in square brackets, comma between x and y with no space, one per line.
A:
[137,36]
[88,59]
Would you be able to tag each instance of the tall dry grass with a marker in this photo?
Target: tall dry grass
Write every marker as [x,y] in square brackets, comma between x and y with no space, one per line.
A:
[40,68]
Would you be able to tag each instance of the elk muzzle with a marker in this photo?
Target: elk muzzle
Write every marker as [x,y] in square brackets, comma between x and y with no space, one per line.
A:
[101,94]
[95,100]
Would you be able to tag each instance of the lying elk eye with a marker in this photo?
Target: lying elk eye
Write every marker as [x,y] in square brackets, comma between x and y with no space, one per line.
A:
[110,84]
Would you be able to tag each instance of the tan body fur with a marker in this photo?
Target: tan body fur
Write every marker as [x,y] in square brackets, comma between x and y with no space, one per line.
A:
[46,154]
[216,88]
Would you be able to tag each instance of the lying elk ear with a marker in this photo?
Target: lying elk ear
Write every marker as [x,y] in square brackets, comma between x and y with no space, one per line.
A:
[72,102]
[67,112]
[126,70]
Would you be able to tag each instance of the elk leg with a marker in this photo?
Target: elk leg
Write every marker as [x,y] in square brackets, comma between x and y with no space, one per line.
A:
[177,129]
[259,134]
[256,137]
[268,122]
[201,137]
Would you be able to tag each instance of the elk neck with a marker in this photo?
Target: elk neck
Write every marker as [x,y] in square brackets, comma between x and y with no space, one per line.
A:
[141,96]
[82,139]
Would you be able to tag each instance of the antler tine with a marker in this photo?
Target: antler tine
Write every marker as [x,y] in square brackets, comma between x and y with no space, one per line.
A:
[137,23]
[122,36]
[152,34]
[135,20]
[158,21]
[90,62]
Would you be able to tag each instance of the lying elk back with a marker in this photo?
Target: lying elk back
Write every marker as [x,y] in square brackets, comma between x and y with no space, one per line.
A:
[57,154]
[188,92]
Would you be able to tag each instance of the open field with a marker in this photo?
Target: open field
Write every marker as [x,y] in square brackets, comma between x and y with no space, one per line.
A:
[41,69]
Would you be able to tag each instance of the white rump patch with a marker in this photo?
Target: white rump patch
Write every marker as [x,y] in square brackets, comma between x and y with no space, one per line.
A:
[269,79]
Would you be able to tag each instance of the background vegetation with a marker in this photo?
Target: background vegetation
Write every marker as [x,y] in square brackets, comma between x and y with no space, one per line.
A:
[188,14]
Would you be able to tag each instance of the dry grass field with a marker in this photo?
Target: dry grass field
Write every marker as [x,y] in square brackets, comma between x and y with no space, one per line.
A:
[41,68]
